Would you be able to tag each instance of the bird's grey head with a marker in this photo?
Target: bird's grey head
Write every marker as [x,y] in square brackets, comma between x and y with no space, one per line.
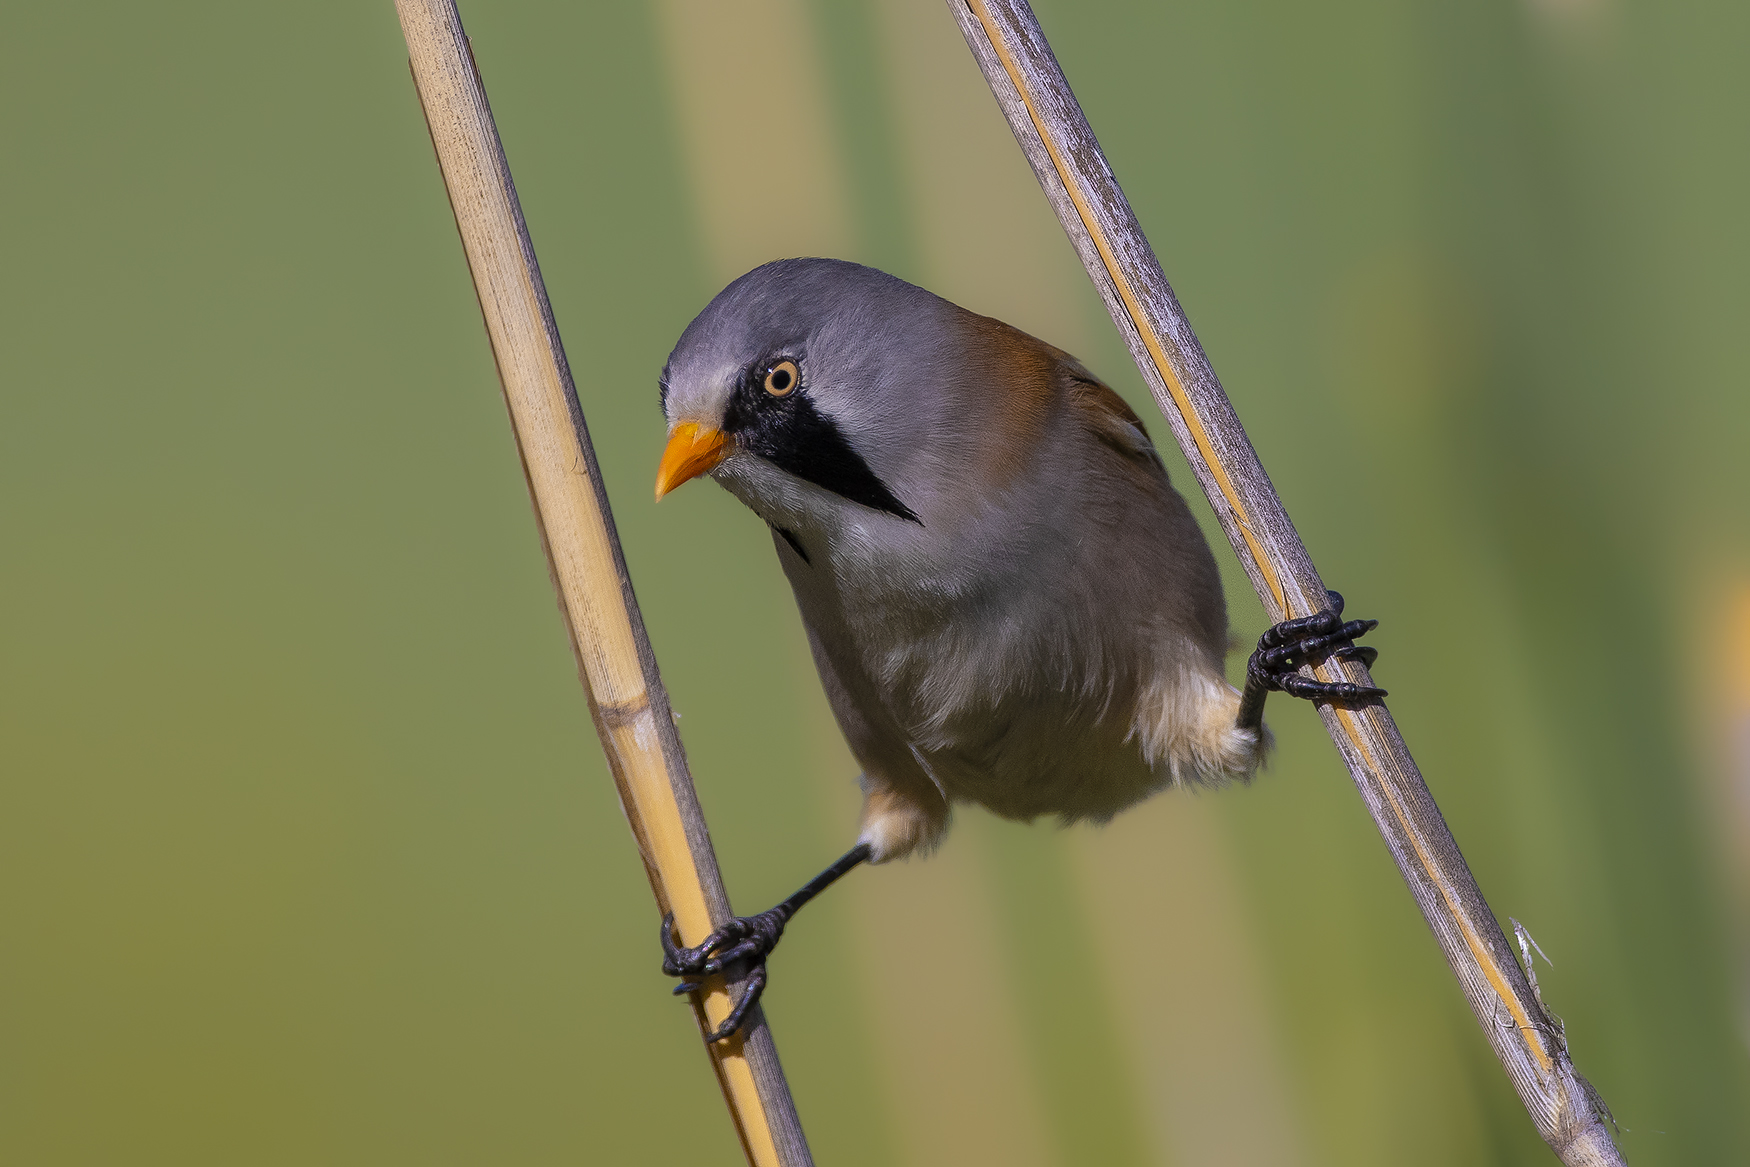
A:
[813,384]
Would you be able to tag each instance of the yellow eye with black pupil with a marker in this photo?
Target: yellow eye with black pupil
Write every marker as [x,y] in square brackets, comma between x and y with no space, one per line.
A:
[781,378]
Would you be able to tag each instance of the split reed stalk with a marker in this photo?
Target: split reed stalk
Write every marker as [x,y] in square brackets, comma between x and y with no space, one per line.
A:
[626,695]
[1048,123]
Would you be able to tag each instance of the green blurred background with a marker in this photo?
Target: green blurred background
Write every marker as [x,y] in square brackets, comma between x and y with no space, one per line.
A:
[307,850]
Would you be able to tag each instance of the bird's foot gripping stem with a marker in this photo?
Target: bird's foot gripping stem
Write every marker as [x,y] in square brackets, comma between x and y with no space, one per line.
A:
[1282,650]
[745,940]
[743,944]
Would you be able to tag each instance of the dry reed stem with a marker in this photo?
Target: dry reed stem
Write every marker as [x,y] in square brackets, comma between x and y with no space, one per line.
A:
[626,695]
[1048,123]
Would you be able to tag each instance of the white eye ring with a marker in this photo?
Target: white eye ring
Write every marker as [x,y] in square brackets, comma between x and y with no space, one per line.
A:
[782,378]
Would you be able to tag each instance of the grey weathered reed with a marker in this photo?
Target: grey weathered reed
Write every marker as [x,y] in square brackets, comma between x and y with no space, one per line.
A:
[1048,123]
[626,695]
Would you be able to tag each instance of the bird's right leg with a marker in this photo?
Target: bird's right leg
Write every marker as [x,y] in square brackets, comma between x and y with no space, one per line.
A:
[747,941]
[1275,666]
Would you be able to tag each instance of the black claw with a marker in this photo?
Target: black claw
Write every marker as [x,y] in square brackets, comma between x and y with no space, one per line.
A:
[743,942]
[741,937]
[1341,692]
[754,988]
[741,946]
[1292,631]
[671,951]
[678,961]
[741,951]
[1363,653]
[1282,650]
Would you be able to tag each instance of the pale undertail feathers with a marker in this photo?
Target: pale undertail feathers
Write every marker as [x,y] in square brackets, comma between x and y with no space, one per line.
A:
[1186,727]
[895,827]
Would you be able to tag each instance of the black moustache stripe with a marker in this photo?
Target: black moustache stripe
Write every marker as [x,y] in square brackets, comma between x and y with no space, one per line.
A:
[794,436]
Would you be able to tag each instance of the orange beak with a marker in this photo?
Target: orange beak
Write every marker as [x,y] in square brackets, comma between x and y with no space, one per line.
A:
[693,450]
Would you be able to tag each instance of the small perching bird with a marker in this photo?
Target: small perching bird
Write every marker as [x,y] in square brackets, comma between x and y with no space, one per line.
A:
[1007,602]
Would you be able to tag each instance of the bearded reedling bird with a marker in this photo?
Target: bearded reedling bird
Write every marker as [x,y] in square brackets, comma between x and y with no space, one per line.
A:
[1007,602]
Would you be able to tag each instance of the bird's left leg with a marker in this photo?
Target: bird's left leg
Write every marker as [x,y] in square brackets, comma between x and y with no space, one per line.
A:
[746,941]
[1282,650]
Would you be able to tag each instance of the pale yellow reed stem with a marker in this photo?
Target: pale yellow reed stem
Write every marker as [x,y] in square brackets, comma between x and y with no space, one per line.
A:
[626,695]
[1048,123]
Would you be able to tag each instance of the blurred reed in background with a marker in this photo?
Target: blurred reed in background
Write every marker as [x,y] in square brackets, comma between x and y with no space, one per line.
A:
[306,849]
